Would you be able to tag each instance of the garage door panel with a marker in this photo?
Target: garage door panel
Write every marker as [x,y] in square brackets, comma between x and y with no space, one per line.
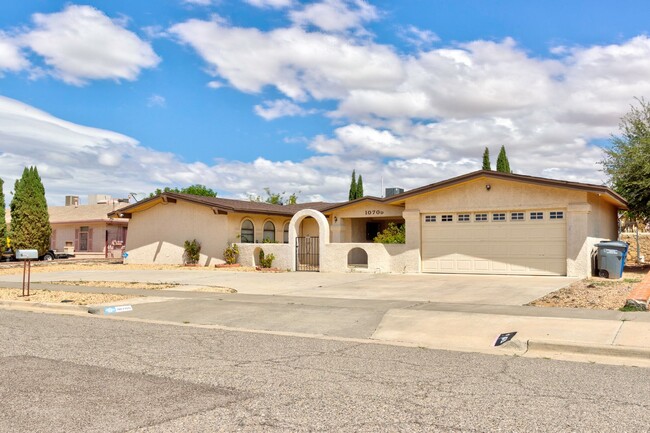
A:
[503,247]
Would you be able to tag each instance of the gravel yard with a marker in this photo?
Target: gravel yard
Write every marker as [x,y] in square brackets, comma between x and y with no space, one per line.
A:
[57,297]
[593,293]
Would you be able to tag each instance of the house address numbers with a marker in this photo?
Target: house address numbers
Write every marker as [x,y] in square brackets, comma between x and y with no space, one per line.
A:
[374,212]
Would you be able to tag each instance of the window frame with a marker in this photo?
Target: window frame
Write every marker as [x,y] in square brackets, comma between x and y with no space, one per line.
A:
[244,238]
[447,218]
[430,219]
[501,217]
[463,218]
[481,217]
[536,216]
[518,214]
[556,215]
[267,233]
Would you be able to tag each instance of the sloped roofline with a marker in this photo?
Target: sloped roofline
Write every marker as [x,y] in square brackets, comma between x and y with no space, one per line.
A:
[596,189]
[220,205]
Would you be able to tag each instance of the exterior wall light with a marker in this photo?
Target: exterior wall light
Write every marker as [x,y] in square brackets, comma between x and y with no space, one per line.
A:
[488,186]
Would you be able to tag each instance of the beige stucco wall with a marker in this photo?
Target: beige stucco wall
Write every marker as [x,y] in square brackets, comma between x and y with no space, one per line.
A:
[589,217]
[396,258]
[249,254]
[157,235]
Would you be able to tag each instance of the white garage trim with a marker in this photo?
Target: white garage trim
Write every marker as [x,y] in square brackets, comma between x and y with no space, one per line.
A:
[520,242]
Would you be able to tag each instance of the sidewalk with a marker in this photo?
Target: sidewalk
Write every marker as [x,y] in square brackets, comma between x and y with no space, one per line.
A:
[612,337]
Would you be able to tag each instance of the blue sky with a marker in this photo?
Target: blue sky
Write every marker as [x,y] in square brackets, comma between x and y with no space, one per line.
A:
[122,96]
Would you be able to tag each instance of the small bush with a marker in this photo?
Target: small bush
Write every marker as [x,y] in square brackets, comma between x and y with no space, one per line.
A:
[231,253]
[393,234]
[192,252]
[266,261]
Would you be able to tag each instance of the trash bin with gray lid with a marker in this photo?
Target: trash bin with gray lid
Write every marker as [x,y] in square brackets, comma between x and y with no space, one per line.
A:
[611,258]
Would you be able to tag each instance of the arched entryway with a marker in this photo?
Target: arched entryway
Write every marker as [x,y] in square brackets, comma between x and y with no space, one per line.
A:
[307,250]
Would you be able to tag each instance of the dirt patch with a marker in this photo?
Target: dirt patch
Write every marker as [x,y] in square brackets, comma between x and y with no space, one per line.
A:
[40,267]
[56,297]
[592,293]
[118,284]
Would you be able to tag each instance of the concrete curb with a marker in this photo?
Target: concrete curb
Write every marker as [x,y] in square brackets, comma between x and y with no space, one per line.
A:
[42,305]
[547,346]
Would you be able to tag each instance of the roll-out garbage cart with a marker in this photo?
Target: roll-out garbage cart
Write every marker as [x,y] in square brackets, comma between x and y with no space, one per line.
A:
[611,258]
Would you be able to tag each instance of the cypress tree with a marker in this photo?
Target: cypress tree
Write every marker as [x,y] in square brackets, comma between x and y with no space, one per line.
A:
[486,159]
[353,187]
[30,221]
[502,161]
[359,187]
[3,221]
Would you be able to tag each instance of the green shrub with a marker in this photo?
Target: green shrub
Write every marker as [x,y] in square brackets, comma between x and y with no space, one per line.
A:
[231,253]
[393,234]
[192,252]
[266,261]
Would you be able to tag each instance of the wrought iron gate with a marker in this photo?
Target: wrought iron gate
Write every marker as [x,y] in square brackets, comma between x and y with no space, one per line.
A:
[307,257]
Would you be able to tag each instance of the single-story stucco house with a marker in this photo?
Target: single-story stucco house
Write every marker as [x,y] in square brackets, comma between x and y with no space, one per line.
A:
[484,222]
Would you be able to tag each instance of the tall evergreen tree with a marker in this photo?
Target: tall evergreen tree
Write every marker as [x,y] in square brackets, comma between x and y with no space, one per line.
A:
[3,221]
[502,161]
[30,221]
[486,160]
[353,186]
[359,187]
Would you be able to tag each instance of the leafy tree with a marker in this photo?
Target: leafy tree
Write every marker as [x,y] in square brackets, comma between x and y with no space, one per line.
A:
[359,187]
[30,221]
[393,234]
[275,197]
[627,161]
[3,221]
[502,161]
[486,160]
[197,189]
[353,187]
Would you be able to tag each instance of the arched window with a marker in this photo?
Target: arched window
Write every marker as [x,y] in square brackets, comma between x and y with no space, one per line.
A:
[269,232]
[247,232]
[285,235]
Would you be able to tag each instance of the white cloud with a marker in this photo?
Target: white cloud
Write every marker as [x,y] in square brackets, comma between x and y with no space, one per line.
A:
[156,101]
[335,15]
[199,2]
[298,63]
[420,38]
[11,57]
[270,110]
[275,4]
[80,43]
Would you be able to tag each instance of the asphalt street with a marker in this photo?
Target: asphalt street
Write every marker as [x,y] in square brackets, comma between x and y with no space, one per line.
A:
[86,374]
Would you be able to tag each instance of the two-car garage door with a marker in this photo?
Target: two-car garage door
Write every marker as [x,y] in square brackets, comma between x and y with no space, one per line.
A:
[531,242]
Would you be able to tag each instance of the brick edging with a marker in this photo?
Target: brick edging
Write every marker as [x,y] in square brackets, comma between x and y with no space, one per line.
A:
[641,290]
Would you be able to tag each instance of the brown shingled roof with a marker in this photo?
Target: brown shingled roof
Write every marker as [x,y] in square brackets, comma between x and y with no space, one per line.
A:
[229,205]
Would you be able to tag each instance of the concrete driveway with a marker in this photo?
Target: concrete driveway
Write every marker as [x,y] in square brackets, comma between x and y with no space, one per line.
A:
[471,289]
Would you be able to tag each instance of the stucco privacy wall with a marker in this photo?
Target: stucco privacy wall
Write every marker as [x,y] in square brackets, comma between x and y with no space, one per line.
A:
[155,237]
[249,254]
[381,257]
[504,195]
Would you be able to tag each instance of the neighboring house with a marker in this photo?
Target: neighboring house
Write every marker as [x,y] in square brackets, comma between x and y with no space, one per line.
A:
[483,222]
[86,230]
